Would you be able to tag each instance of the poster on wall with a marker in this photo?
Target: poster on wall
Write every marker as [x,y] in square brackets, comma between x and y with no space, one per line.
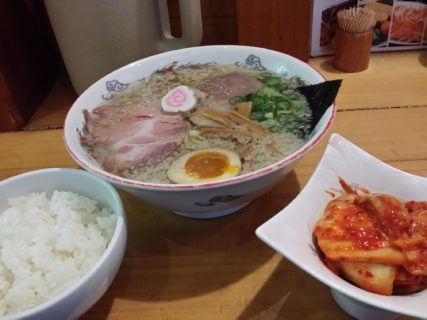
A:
[400,25]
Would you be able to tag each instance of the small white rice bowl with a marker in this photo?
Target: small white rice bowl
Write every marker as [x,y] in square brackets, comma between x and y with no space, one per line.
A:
[58,227]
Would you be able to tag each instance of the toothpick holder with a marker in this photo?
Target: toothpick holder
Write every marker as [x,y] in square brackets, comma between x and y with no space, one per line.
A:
[352,50]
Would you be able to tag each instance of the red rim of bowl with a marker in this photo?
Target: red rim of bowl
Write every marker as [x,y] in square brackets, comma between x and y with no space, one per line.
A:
[248,176]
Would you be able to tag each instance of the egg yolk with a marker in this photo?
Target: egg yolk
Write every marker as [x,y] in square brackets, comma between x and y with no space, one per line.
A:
[207,165]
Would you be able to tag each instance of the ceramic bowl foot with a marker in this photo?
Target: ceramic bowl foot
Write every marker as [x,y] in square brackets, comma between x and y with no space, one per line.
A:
[360,310]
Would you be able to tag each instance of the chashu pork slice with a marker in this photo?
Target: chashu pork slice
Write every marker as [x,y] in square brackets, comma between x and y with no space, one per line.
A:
[230,84]
[143,136]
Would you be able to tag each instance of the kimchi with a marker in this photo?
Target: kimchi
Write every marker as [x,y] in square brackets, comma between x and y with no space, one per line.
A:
[375,241]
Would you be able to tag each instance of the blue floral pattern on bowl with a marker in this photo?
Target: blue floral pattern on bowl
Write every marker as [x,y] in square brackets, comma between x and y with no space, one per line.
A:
[113,86]
[218,199]
[252,61]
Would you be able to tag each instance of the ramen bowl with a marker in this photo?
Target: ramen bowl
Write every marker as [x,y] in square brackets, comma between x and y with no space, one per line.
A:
[290,232]
[84,292]
[197,200]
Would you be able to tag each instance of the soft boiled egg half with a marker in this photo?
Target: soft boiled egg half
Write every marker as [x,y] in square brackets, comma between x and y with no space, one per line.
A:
[205,165]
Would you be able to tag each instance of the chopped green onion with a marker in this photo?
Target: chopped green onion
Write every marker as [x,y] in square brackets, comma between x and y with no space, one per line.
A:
[277,105]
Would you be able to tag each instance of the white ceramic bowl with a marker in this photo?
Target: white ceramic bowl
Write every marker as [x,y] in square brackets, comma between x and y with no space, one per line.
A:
[204,200]
[290,232]
[76,300]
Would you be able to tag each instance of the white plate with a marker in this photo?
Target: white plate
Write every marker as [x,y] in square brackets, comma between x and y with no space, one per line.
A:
[290,232]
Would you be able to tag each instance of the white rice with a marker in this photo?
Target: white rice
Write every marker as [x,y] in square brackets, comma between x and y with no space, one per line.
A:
[47,244]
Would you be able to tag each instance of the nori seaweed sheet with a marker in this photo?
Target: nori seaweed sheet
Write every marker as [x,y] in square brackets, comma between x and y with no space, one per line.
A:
[320,96]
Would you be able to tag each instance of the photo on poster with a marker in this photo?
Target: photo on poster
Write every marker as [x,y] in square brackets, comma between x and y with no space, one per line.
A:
[398,25]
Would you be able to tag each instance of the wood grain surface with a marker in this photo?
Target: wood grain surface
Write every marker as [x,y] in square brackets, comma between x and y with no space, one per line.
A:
[180,268]
[281,25]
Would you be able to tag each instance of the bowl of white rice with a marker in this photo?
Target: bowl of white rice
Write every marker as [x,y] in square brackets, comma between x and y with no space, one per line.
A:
[62,239]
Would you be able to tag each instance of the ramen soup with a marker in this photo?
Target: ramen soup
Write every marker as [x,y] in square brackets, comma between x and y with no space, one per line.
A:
[198,123]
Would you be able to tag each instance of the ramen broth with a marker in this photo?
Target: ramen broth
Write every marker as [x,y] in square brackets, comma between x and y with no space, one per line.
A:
[256,149]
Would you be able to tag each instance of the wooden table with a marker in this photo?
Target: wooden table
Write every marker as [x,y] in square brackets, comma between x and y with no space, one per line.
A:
[179,268]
